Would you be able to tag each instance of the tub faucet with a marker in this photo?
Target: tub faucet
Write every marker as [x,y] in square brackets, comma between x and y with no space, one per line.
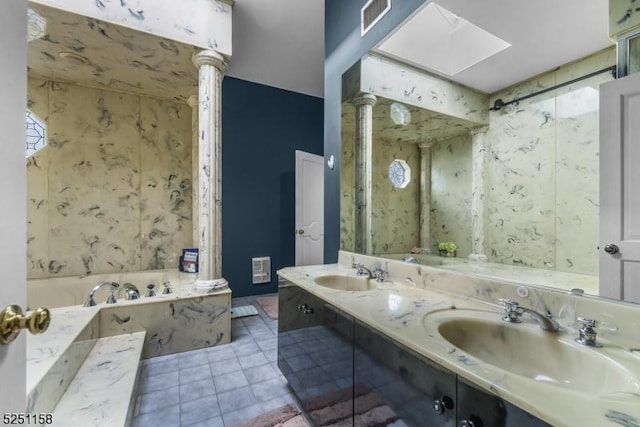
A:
[150,291]
[111,299]
[130,291]
[513,312]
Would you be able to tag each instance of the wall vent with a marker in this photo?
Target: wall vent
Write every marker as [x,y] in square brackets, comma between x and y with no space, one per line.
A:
[261,270]
[372,12]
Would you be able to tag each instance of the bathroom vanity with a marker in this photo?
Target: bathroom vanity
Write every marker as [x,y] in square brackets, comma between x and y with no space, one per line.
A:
[377,352]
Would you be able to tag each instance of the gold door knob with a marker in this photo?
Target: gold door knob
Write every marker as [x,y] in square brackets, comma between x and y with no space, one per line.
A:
[301,231]
[12,320]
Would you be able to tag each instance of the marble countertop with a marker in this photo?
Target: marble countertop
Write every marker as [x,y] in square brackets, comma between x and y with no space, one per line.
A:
[402,311]
[506,272]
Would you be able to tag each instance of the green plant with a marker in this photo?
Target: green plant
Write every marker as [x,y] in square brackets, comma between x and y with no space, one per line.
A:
[447,246]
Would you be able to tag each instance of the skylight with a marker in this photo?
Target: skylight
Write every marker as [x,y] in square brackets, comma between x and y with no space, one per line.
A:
[438,40]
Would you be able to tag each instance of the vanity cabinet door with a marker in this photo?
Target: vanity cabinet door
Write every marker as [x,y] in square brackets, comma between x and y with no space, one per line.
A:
[395,385]
[477,408]
[315,354]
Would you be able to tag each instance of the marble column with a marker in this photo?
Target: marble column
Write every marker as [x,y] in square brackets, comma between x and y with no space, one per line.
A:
[425,196]
[478,193]
[195,170]
[211,68]
[364,166]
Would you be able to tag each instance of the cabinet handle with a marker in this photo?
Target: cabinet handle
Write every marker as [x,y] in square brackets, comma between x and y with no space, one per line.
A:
[305,309]
[473,421]
[440,405]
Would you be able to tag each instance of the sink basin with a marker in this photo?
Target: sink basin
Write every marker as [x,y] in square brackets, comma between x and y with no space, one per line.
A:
[530,352]
[344,282]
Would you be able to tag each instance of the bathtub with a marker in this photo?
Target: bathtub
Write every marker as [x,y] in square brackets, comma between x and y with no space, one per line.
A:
[181,321]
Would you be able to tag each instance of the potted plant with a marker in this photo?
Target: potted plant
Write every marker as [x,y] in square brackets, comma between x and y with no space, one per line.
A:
[447,249]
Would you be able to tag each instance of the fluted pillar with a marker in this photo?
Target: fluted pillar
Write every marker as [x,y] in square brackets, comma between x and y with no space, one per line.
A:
[211,68]
[363,149]
[425,196]
[195,170]
[478,193]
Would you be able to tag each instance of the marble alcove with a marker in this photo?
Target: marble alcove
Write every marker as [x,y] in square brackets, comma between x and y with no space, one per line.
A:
[530,170]
[115,188]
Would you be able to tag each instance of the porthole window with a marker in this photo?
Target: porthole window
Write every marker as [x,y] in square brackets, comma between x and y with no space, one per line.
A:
[399,173]
[36,133]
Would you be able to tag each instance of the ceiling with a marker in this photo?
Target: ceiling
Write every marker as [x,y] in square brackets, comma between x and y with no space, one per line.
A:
[543,34]
[117,57]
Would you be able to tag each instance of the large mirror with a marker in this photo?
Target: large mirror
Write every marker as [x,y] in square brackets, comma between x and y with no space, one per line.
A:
[500,161]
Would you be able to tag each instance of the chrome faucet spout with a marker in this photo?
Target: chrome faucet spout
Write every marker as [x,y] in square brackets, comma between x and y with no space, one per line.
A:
[361,270]
[111,299]
[513,312]
[545,323]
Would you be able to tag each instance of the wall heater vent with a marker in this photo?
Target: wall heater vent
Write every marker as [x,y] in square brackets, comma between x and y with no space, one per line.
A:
[261,270]
[372,12]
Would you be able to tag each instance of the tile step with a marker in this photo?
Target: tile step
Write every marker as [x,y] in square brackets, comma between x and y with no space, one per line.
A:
[101,392]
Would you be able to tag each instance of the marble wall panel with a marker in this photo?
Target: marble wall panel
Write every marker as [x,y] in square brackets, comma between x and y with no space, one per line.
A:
[208,28]
[394,80]
[395,222]
[38,188]
[577,165]
[623,16]
[94,193]
[451,174]
[165,182]
[520,178]
[114,183]
[542,172]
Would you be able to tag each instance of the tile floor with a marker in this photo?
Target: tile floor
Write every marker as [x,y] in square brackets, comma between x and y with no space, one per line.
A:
[219,386]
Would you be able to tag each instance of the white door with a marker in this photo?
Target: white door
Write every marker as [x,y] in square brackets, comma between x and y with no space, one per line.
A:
[620,189]
[309,209]
[13,207]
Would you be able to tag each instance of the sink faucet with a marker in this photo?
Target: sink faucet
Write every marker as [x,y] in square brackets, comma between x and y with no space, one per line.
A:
[513,312]
[380,275]
[130,291]
[111,299]
[587,333]
[361,270]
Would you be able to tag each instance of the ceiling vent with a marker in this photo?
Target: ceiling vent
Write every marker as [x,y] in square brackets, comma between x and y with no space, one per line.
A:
[372,12]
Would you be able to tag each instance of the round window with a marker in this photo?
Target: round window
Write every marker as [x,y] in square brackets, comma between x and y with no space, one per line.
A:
[399,173]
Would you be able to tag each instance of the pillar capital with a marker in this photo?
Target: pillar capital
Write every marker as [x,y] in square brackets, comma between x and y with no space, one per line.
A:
[193,101]
[478,130]
[209,57]
[364,99]
[428,144]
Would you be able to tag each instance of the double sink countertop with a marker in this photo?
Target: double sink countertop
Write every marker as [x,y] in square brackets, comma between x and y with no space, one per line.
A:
[596,386]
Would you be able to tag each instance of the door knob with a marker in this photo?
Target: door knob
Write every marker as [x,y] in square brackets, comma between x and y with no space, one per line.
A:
[301,231]
[611,249]
[472,421]
[12,320]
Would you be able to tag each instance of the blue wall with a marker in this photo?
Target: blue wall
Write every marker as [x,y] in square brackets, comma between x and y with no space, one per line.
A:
[262,127]
[343,48]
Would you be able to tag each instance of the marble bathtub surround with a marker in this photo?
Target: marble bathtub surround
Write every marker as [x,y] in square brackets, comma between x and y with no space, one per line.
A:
[363,163]
[401,309]
[478,193]
[211,68]
[111,191]
[54,358]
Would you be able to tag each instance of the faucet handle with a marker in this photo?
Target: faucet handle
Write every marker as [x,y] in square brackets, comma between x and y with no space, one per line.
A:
[587,333]
[512,310]
[150,291]
[167,288]
[588,323]
[380,274]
